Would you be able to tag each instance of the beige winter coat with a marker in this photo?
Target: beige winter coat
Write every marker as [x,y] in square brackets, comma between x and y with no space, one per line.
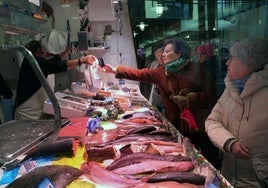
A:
[245,118]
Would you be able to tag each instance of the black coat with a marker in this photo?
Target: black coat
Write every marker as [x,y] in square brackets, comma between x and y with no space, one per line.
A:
[5,91]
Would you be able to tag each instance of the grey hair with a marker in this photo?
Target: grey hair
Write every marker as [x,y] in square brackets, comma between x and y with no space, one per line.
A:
[252,52]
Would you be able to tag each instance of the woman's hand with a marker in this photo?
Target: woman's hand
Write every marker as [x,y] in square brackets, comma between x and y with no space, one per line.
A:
[184,92]
[240,151]
[182,101]
[108,69]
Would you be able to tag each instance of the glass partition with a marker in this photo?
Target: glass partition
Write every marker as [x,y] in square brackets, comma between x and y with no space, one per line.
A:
[221,23]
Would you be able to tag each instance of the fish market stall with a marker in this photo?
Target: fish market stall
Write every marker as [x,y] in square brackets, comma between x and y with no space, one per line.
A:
[117,140]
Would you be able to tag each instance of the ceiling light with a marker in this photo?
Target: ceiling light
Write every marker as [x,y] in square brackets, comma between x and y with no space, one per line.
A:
[135,34]
[65,3]
[74,17]
[160,9]
[142,26]
[187,37]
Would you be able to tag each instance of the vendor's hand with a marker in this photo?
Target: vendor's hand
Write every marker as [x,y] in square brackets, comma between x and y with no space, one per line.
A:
[240,151]
[182,101]
[108,69]
[184,91]
[89,59]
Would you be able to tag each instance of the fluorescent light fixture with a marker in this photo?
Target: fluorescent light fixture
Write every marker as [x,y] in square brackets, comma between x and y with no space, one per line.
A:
[65,5]
[11,32]
[36,2]
[74,17]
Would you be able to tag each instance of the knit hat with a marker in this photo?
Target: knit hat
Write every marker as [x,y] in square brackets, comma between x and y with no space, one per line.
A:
[207,49]
[252,52]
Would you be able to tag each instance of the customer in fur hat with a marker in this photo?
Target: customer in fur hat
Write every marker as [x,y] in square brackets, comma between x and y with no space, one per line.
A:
[238,123]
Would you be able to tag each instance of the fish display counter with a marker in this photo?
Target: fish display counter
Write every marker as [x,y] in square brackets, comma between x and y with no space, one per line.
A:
[120,141]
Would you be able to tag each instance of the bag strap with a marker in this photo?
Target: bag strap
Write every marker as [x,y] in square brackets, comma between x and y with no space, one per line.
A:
[173,93]
[151,94]
[170,87]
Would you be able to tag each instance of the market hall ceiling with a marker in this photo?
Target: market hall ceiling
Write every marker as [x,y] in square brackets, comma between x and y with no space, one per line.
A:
[172,21]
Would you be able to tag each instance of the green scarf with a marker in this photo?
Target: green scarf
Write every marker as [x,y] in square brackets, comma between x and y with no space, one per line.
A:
[175,66]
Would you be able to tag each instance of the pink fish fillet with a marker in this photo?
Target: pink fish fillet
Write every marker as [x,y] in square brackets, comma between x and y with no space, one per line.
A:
[167,184]
[100,176]
[155,166]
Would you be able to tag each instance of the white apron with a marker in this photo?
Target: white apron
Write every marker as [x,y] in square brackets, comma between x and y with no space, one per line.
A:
[33,107]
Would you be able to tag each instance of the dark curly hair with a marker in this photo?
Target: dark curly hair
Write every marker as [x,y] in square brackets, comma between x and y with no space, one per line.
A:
[33,46]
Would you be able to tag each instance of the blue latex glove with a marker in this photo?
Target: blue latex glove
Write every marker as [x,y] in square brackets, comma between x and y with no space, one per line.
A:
[93,125]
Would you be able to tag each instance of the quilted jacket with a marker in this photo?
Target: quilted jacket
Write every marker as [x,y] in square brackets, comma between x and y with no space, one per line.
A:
[243,117]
